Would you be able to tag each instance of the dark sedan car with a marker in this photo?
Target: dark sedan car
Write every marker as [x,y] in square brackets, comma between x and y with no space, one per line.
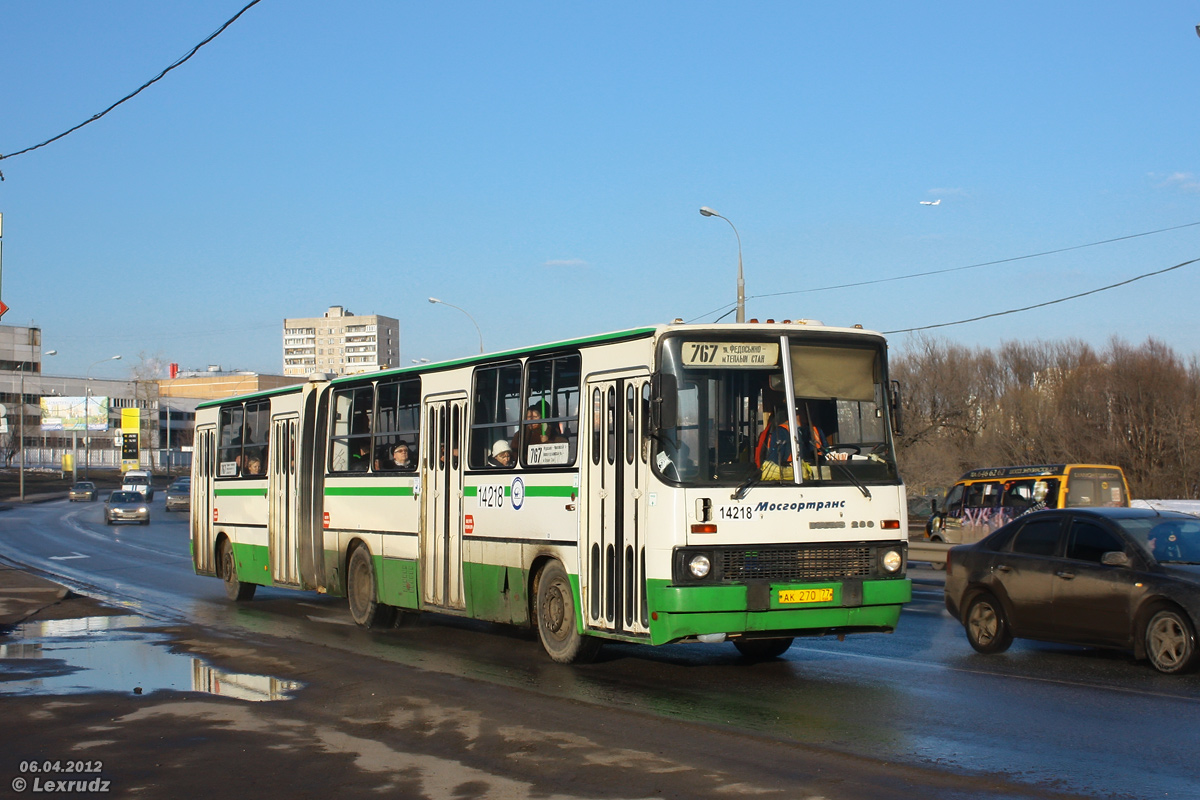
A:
[179,495]
[1126,578]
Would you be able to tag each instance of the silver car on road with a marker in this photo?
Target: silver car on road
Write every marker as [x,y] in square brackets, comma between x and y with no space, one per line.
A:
[123,506]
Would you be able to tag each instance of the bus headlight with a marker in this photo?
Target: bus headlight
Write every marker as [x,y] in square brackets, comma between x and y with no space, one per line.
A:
[892,560]
[699,565]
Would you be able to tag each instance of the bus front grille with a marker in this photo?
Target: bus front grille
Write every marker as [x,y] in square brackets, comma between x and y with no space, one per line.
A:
[794,564]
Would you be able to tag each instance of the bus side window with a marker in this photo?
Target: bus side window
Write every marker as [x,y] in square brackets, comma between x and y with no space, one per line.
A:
[496,411]
[397,425]
[350,440]
[645,444]
[229,437]
[553,393]
[982,495]
[1018,495]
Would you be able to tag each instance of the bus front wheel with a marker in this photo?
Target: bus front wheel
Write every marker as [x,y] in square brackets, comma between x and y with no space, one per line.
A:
[556,622]
[364,608]
[762,649]
[235,590]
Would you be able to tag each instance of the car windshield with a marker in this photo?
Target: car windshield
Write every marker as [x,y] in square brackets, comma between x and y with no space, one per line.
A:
[725,410]
[84,486]
[1169,540]
[126,497]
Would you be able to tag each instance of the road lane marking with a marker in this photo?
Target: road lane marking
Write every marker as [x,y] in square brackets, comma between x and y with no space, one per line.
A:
[68,558]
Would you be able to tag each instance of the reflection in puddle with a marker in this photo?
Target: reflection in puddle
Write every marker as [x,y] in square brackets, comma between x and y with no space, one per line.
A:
[115,654]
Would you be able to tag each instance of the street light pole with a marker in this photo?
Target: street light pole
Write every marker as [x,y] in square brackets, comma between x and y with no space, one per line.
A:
[741,282]
[87,402]
[21,406]
[463,310]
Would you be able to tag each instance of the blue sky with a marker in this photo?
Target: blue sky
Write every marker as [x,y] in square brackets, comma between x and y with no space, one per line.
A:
[541,165]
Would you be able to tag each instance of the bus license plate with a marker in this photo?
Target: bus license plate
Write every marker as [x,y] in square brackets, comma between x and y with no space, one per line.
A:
[806,596]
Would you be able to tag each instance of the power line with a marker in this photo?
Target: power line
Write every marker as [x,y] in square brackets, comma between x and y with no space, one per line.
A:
[1047,303]
[953,269]
[139,90]
[983,264]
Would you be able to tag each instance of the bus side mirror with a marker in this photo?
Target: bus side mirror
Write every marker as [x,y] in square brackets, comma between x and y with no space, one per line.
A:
[664,392]
[894,397]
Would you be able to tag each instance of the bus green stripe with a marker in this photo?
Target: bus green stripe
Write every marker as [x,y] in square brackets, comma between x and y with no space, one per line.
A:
[240,492]
[551,491]
[368,491]
[530,491]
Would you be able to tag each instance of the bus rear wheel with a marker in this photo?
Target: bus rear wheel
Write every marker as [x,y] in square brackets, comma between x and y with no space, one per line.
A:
[235,590]
[762,649]
[557,625]
[365,609]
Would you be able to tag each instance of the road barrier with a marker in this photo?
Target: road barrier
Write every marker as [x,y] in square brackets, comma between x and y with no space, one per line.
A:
[933,552]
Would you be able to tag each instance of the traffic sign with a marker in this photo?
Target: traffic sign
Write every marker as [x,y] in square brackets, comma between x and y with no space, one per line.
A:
[3,308]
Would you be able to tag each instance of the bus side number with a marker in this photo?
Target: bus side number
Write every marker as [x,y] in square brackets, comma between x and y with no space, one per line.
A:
[737,512]
[491,496]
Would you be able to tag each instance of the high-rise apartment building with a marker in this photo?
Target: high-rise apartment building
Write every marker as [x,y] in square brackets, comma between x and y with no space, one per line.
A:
[340,342]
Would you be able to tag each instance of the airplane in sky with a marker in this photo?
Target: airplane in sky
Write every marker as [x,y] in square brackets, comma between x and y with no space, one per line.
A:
[931,202]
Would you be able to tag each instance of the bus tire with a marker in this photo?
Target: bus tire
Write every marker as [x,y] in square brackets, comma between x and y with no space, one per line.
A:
[762,649]
[235,590]
[556,622]
[365,609]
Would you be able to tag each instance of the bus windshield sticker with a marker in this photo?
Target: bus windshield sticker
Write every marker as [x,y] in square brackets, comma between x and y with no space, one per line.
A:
[228,469]
[730,355]
[541,455]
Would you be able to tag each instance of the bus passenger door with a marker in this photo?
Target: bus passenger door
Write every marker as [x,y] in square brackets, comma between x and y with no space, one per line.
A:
[612,555]
[200,509]
[442,519]
[285,512]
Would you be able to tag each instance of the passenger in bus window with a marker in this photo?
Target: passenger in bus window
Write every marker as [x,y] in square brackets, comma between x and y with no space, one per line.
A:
[535,431]
[254,465]
[360,458]
[401,458]
[501,457]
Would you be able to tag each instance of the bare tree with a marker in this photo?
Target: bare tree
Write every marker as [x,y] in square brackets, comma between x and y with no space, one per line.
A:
[1039,402]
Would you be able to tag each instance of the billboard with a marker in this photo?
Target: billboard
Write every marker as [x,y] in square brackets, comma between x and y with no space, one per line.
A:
[74,413]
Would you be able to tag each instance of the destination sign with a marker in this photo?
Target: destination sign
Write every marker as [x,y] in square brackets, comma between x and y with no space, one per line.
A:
[730,355]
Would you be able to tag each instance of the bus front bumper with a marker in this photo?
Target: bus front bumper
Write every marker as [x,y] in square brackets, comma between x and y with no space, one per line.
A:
[682,612]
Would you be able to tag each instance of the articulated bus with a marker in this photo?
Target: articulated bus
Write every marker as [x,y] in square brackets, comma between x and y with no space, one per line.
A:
[631,505]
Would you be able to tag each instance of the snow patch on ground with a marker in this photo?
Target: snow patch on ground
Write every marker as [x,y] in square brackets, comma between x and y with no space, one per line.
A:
[1186,506]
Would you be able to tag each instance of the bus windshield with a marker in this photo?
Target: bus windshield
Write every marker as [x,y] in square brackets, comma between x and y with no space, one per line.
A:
[725,410]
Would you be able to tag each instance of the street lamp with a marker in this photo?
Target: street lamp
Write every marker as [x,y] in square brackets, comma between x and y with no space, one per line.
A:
[473,322]
[420,360]
[741,285]
[87,402]
[21,405]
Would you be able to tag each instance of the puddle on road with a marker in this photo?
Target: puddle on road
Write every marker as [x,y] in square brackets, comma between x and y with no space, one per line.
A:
[116,654]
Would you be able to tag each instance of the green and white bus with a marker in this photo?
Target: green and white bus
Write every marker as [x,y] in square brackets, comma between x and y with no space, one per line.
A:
[632,505]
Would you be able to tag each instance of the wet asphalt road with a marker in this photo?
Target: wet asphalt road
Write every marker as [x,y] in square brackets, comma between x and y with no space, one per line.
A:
[1048,717]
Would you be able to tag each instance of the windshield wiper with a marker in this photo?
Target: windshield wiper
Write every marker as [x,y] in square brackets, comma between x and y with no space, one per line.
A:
[744,487]
[850,475]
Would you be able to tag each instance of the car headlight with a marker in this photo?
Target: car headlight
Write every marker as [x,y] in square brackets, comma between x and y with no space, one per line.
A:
[892,560]
[142,510]
[699,565]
